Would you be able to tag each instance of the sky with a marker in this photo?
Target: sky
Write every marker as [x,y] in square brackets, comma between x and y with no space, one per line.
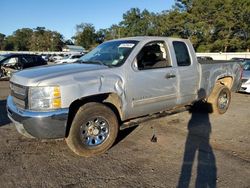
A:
[64,15]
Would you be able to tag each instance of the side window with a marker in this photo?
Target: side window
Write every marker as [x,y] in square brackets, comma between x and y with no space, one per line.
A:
[27,59]
[11,61]
[181,53]
[39,60]
[153,55]
[35,59]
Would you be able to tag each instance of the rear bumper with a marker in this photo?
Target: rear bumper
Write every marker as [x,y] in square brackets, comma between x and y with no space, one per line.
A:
[43,125]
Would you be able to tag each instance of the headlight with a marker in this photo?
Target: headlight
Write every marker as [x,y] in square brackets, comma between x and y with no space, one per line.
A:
[44,98]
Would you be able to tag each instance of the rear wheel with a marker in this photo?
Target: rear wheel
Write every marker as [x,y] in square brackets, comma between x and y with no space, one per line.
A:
[93,130]
[220,99]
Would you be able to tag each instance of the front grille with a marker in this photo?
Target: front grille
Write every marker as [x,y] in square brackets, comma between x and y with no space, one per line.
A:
[19,94]
[244,80]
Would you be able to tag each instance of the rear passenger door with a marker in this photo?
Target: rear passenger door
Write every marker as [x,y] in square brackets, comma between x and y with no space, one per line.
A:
[188,73]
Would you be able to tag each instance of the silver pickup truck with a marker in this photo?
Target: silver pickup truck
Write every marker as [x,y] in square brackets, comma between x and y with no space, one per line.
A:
[113,87]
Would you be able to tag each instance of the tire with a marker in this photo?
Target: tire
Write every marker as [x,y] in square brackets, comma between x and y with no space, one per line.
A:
[93,130]
[220,99]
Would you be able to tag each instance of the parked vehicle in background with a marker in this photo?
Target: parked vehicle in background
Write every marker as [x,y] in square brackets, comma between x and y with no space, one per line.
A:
[10,63]
[117,85]
[244,61]
[45,57]
[54,57]
[240,59]
[245,87]
[69,59]
[204,58]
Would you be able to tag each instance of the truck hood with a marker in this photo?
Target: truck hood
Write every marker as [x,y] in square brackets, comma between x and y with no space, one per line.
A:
[33,76]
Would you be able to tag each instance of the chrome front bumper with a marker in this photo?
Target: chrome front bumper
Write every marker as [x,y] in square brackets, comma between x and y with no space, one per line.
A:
[43,125]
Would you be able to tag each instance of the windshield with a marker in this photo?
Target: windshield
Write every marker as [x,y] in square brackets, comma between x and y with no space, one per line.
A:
[2,57]
[113,53]
[246,66]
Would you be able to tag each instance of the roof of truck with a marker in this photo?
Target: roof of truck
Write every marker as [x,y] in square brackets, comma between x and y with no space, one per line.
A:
[141,38]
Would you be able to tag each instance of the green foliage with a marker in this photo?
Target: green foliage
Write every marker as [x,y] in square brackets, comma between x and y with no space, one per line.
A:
[137,23]
[85,35]
[218,25]
[46,40]
[9,43]
[38,39]
[2,37]
[22,39]
[212,26]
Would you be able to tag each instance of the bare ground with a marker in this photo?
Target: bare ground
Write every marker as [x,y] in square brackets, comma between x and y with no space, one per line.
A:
[192,149]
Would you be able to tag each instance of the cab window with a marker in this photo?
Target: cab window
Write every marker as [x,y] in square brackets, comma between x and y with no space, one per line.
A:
[153,55]
[181,53]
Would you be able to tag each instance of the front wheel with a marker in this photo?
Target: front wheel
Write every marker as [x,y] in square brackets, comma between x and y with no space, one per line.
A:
[220,99]
[93,130]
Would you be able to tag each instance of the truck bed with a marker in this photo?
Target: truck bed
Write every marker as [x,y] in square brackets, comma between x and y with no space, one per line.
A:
[215,61]
[212,70]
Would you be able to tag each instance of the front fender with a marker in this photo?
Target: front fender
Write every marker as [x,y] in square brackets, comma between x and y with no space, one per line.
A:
[93,85]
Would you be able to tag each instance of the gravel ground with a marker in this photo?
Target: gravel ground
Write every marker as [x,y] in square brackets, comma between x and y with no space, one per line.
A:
[192,149]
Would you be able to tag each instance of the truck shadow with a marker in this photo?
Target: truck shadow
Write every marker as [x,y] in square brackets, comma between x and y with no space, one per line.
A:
[3,113]
[122,134]
[197,142]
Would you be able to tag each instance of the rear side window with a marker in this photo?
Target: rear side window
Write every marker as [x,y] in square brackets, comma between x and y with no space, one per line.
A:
[27,59]
[36,59]
[181,53]
[40,60]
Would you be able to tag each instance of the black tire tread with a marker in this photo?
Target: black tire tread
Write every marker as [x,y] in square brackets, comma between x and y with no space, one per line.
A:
[88,109]
[213,98]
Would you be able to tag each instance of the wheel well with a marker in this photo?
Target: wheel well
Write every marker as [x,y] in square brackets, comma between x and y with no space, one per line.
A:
[227,81]
[109,99]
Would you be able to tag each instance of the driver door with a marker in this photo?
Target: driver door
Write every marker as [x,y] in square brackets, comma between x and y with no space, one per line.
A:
[152,86]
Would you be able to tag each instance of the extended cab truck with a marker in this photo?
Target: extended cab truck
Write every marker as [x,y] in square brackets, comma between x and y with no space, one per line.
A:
[118,82]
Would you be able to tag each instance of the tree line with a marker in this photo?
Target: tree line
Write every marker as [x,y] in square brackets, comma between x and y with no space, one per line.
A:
[26,39]
[212,26]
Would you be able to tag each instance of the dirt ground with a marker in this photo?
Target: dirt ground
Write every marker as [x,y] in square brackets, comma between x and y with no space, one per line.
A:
[192,149]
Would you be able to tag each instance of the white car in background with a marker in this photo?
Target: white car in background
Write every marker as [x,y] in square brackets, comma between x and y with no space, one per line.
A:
[245,87]
[55,58]
[69,59]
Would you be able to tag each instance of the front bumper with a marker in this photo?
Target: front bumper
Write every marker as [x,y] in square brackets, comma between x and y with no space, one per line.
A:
[43,125]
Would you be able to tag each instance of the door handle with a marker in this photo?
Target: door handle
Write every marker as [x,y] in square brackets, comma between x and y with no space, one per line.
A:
[168,76]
